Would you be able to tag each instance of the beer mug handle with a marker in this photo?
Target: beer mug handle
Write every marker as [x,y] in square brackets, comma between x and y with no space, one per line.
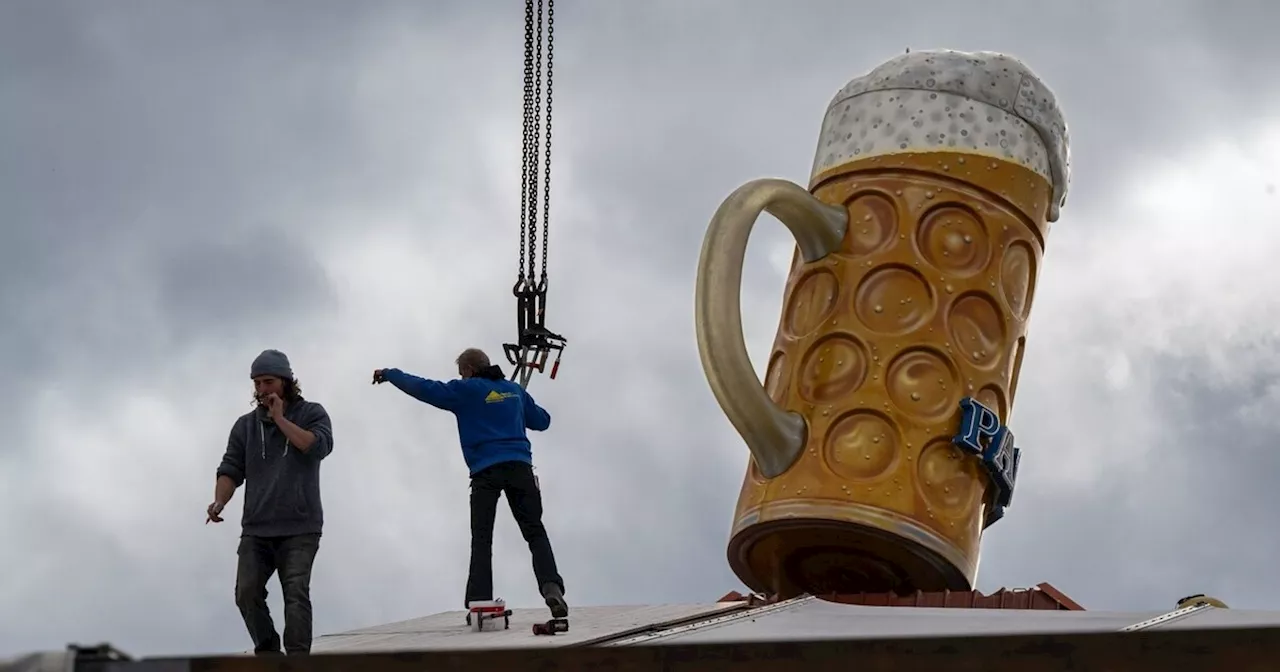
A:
[776,437]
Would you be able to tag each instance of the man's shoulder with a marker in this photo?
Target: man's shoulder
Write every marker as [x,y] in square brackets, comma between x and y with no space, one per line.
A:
[490,390]
[504,385]
[310,408]
[479,384]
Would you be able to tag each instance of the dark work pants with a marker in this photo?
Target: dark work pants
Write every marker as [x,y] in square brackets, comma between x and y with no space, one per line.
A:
[293,557]
[516,479]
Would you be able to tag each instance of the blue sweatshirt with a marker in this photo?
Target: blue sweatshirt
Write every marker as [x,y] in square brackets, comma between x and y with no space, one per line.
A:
[492,415]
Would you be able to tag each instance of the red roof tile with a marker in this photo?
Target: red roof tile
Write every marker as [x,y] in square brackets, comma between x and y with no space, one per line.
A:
[1043,596]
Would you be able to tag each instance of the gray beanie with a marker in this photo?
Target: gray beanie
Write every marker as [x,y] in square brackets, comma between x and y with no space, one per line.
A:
[271,363]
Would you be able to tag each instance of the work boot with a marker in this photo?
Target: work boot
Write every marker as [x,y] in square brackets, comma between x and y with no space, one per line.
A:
[555,600]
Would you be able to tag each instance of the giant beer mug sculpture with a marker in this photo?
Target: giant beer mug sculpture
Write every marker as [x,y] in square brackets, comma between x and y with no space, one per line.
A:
[878,449]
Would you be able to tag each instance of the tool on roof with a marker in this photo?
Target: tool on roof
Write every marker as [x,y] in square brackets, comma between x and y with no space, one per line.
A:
[535,342]
[480,611]
[551,627]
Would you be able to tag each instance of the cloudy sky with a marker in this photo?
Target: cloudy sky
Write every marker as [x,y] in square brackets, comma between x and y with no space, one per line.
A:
[183,184]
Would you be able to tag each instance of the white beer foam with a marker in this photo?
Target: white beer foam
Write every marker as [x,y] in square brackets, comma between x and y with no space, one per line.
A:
[975,102]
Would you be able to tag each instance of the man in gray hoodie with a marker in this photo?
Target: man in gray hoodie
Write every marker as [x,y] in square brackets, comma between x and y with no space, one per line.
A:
[276,449]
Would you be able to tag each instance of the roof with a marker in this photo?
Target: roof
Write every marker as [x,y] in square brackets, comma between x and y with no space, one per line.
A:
[1147,646]
[804,618]
[1011,630]
[588,625]
[810,618]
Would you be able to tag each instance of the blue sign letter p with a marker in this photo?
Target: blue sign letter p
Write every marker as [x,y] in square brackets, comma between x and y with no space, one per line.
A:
[979,426]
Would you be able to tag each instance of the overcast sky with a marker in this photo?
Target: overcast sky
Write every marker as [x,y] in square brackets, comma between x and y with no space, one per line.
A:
[183,184]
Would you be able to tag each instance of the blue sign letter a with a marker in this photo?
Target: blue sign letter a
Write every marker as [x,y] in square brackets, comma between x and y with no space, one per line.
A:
[1003,458]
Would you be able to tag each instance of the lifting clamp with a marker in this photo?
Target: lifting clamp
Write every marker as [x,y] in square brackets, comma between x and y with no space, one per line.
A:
[551,627]
[536,341]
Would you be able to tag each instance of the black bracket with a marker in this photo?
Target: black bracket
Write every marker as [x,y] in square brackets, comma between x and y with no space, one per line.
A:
[551,627]
[536,342]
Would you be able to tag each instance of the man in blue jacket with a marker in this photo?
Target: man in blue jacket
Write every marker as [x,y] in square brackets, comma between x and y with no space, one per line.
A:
[493,414]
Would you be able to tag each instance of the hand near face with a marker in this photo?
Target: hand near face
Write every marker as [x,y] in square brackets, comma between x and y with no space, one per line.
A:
[275,405]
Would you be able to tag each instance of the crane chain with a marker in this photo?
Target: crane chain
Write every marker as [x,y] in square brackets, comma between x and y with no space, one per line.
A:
[546,197]
[529,184]
[535,342]
[535,139]
[525,178]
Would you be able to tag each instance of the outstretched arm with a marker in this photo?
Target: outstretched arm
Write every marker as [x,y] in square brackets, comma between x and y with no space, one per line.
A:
[441,395]
[535,417]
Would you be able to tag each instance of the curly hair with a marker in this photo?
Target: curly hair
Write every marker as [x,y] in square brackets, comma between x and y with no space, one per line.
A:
[292,392]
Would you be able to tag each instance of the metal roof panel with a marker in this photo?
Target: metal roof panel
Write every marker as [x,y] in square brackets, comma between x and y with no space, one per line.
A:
[448,630]
[810,619]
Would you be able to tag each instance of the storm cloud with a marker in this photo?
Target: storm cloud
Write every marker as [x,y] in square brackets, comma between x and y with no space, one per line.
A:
[184,184]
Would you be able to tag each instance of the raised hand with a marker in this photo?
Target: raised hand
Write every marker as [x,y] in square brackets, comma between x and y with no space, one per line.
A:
[275,405]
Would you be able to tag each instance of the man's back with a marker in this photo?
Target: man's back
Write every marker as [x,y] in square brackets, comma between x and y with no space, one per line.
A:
[492,415]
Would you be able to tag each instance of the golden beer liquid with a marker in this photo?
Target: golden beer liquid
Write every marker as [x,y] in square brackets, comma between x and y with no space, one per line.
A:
[925,303]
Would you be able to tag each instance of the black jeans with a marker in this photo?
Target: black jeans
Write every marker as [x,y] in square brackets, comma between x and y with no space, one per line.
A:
[516,479]
[293,557]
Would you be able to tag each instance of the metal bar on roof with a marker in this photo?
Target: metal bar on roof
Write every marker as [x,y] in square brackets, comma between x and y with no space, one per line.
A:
[710,622]
[1175,615]
[643,630]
